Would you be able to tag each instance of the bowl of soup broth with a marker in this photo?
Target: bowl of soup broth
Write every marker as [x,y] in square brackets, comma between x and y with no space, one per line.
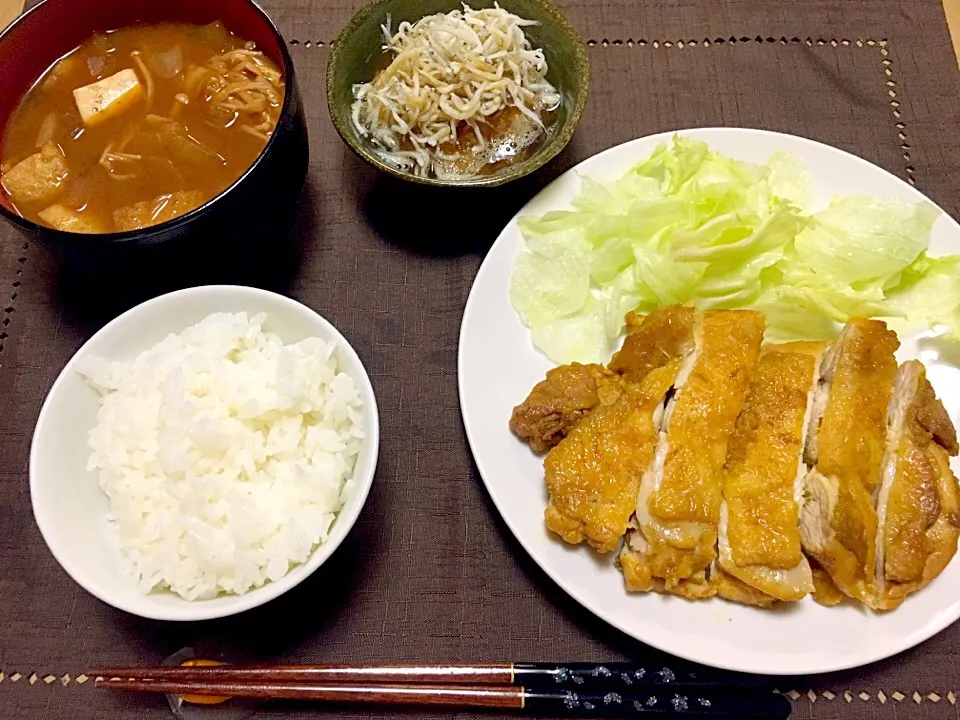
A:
[148,125]
[450,93]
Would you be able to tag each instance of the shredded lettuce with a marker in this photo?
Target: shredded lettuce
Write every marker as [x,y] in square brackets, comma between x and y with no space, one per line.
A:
[690,225]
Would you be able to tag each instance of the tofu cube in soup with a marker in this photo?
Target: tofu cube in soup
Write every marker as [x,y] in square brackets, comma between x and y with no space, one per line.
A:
[109,97]
[38,178]
[160,209]
[63,218]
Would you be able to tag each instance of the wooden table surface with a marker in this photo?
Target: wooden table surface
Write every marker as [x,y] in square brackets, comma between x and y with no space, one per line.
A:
[9,9]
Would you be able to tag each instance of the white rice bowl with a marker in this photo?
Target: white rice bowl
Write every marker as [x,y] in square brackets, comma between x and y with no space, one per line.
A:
[225,454]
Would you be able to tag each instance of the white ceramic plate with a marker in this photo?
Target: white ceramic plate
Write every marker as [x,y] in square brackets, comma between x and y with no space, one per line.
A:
[498,365]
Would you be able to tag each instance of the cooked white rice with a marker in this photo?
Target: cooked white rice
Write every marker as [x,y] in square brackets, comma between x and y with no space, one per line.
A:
[225,454]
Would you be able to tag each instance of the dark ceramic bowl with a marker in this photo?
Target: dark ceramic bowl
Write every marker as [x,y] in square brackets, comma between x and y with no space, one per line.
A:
[359,44]
[248,211]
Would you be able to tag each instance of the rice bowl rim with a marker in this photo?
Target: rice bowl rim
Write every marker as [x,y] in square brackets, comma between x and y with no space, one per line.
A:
[175,608]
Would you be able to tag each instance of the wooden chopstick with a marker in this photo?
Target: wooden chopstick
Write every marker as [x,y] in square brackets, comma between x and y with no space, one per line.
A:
[580,676]
[707,704]
[341,674]
[491,696]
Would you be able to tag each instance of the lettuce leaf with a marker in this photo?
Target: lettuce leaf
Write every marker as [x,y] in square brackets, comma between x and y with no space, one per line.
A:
[690,225]
[551,280]
[928,295]
[860,239]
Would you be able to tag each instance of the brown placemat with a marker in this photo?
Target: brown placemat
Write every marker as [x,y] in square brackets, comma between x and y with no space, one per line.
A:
[430,572]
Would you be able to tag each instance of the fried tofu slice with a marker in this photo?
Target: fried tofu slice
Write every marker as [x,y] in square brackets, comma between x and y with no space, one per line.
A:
[759,538]
[593,474]
[918,502]
[560,401]
[63,218]
[160,209]
[38,178]
[845,448]
[653,340]
[674,535]
[108,98]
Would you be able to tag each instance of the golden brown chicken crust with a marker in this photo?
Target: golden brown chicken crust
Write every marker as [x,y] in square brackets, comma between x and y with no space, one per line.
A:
[635,567]
[703,417]
[852,434]
[920,508]
[824,591]
[592,475]
[839,521]
[560,401]
[914,509]
[667,567]
[607,416]
[763,460]
[700,586]
[569,392]
[730,588]
[814,348]
[639,576]
[838,524]
[672,551]
[933,417]
[654,340]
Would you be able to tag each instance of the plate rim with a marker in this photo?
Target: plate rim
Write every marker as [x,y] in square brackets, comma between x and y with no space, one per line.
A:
[935,626]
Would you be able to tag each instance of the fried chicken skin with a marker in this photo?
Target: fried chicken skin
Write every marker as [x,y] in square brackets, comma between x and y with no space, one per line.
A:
[759,541]
[845,450]
[918,501]
[761,474]
[560,401]
[674,535]
[592,475]
[654,340]
[569,392]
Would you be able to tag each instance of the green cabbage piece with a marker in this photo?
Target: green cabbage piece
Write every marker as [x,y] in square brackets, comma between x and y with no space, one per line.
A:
[690,225]
[927,295]
[865,239]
